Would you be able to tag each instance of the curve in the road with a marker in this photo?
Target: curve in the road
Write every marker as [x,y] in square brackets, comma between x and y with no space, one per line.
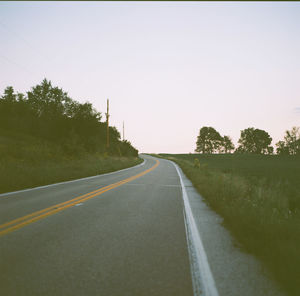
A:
[41,214]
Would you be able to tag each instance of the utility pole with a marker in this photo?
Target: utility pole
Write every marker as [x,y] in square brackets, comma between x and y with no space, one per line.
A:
[123,132]
[107,123]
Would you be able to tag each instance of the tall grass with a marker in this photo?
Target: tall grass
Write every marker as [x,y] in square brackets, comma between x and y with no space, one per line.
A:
[27,162]
[259,198]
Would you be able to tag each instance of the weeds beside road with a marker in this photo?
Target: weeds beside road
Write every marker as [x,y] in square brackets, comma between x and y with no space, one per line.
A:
[259,198]
[27,162]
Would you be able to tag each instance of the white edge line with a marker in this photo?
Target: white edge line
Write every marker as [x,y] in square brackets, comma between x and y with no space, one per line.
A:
[71,181]
[202,277]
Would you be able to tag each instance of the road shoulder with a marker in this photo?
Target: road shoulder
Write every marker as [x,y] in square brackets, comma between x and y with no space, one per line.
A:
[234,272]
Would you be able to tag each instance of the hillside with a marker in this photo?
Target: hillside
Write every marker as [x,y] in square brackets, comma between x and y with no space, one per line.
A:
[47,137]
[27,161]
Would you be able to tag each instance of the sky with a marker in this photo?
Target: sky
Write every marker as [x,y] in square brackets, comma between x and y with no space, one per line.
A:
[168,68]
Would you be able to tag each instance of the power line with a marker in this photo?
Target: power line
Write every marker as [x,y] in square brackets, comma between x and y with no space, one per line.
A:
[17,64]
[28,45]
[24,40]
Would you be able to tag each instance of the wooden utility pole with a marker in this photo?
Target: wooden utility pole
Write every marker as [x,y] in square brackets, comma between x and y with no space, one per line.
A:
[107,123]
[123,132]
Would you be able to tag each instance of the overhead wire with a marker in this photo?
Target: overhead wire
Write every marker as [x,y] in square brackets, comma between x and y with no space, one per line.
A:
[20,37]
[17,64]
[24,40]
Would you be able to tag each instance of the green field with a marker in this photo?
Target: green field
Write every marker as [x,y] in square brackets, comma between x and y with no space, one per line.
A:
[259,198]
[27,162]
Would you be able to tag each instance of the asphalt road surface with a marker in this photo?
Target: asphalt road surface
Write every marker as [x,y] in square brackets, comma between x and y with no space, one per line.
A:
[131,232]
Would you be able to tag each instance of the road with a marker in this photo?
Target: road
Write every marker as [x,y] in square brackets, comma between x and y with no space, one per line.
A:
[129,240]
[131,232]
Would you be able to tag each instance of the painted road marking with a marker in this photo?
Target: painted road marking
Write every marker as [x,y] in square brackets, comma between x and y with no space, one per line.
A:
[203,280]
[6,195]
[38,215]
[148,184]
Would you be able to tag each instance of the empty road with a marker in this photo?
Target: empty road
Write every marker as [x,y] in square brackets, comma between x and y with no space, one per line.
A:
[131,232]
[128,239]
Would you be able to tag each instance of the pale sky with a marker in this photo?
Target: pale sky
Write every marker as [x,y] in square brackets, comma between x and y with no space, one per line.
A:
[168,68]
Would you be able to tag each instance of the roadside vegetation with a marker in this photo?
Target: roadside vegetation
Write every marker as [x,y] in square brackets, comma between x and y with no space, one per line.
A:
[47,137]
[256,192]
[259,198]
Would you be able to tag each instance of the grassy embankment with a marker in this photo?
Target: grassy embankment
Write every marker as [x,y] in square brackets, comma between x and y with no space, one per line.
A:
[27,162]
[259,198]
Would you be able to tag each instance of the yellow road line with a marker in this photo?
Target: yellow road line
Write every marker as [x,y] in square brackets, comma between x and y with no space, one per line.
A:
[38,215]
[47,209]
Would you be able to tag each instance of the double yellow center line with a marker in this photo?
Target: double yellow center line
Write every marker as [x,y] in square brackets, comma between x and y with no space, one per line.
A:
[38,215]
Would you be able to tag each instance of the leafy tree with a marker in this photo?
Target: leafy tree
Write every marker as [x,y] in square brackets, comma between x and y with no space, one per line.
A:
[270,150]
[9,95]
[208,140]
[282,149]
[9,108]
[254,141]
[6,103]
[48,112]
[48,107]
[291,143]
[239,149]
[227,144]
[128,149]
[292,139]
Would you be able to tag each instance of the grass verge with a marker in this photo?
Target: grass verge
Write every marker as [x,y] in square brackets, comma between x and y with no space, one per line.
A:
[27,162]
[258,197]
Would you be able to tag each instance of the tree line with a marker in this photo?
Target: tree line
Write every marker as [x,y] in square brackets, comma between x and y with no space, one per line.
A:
[48,112]
[252,140]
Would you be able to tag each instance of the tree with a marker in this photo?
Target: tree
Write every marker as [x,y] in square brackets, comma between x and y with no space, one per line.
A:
[227,144]
[8,108]
[254,141]
[47,100]
[282,149]
[128,149]
[48,112]
[291,143]
[9,94]
[208,140]
[270,150]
